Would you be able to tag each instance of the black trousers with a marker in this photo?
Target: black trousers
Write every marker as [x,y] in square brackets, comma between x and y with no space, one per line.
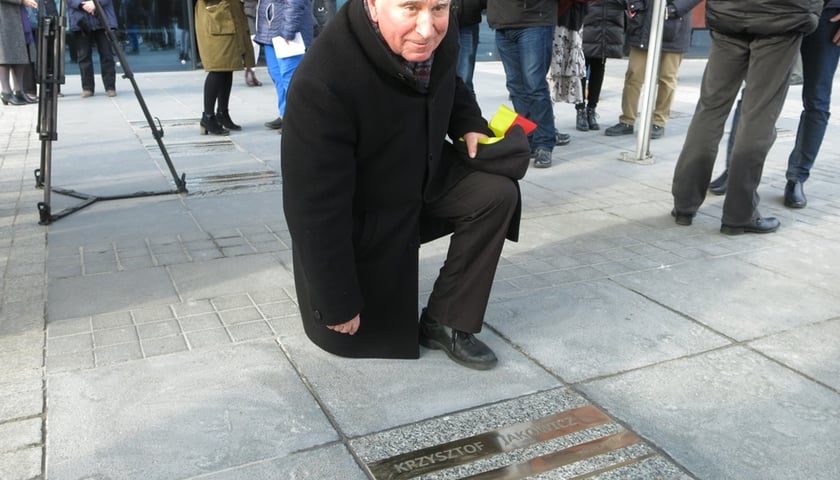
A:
[480,207]
[84,54]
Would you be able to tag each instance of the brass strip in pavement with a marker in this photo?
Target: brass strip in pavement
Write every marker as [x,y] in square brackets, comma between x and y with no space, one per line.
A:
[466,450]
[554,460]
[614,466]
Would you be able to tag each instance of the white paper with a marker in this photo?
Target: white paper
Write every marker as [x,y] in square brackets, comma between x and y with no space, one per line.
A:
[290,49]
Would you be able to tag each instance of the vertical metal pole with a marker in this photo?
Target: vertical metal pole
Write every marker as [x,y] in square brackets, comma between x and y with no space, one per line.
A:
[649,88]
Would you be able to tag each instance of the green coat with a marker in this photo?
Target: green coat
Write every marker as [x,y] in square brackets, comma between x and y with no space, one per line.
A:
[221,30]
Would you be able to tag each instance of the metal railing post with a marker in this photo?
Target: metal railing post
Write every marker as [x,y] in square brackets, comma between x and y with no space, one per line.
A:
[649,87]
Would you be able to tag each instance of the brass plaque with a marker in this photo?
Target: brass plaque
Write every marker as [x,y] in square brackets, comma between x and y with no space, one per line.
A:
[463,451]
[554,460]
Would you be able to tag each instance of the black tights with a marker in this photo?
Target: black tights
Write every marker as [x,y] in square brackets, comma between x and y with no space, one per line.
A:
[596,68]
[217,87]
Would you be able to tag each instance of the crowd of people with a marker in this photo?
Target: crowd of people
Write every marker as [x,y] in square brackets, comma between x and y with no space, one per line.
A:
[408,156]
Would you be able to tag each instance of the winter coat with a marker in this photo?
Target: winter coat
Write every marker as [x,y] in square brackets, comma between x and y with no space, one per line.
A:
[503,14]
[79,19]
[13,49]
[468,12]
[221,31]
[676,33]
[760,17]
[362,148]
[284,18]
[603,29]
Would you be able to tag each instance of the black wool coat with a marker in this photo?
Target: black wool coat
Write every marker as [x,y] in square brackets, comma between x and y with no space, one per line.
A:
[362,149]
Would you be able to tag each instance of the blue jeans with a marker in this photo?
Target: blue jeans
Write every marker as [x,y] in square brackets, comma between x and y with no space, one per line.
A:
[468,41]
[526,55]
[819,62]
[280,70]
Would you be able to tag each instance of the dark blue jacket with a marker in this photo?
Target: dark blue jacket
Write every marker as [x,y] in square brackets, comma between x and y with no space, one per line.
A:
[284,18]
[81,20]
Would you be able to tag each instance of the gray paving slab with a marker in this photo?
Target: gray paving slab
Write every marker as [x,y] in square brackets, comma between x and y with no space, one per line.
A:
[811,350]
[225,276]
[90,295]
[330,461]
[730,413]
[107,221]
[225,408]
[566,328]
[368,395]
[257,207]
[748,302]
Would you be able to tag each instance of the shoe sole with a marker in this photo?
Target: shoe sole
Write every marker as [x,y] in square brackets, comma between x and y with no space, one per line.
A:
[434,345]
[617,134]
[795,205]
[726,229]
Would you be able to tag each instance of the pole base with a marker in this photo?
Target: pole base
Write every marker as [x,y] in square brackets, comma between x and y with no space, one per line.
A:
[632,158]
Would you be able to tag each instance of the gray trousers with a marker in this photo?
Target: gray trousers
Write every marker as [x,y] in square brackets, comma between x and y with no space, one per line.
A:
[765,64]
[480,206]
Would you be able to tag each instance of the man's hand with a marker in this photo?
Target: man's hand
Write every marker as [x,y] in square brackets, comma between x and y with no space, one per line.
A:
[349,328]
[89,7]
[30,3]
[471,139]
[836,38]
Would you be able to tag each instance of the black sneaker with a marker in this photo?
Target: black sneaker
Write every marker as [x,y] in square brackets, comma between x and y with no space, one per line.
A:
[619,129]
[275,124]
[561,139]
[542,158]
[656,131]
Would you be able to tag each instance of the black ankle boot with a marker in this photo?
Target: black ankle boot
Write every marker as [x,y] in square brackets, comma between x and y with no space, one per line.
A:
[224,119]
[11,98]
[592,118]
[581,122]
[210,124]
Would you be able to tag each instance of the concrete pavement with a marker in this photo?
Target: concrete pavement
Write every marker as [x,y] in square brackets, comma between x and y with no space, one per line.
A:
[157,337]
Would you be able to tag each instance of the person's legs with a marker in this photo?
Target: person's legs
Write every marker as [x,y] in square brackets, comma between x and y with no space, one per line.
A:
[288,66]
[764,96]
[480,206]
[272,64]
[226,84]
[633,78]
[669,66]
[526,55]
[107,65]
[819,63]
[5,84]
[725,69]
[214,84]
[597,68]
[468,41]
[84,54]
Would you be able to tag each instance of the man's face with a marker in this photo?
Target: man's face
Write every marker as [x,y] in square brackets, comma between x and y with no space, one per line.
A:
[412,28]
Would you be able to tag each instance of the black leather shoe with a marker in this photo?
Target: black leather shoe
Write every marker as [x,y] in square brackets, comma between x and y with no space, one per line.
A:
[760,225]
[718,185]
[682,218]
[224,119]
[794,195]
[462,347]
